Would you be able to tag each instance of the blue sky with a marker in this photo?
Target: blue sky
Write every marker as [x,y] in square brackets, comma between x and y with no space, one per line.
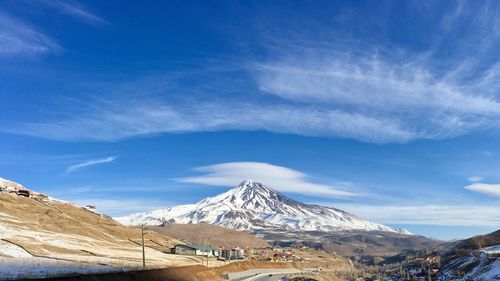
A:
[389,110]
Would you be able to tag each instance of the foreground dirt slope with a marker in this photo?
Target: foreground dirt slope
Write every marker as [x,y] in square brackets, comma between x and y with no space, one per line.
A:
[59,230]
[210,234]
[186,273]
[333,265]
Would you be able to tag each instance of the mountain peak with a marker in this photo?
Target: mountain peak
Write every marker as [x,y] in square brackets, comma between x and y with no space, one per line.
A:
[250,184]
[247,182]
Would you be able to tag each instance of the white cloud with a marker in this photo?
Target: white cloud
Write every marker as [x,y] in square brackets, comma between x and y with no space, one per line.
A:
[424,103]
[277,177]
[486,188]
[379,94]
[19,38]
[120,120]
[370,83]
[76,167]
[76,10]
[475,179]
[123,206]
[457,215]
[378,103]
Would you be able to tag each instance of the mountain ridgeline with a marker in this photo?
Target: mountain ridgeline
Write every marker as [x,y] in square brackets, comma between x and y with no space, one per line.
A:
[253,206]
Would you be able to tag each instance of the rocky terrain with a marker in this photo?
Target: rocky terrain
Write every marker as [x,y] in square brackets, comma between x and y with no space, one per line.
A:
[475,258]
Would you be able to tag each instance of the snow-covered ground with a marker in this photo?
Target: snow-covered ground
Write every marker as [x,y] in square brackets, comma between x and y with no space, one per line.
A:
[488,269]
[483,268]
[72,246]
[52,238]
[34,267]
[492,250]
[17,263]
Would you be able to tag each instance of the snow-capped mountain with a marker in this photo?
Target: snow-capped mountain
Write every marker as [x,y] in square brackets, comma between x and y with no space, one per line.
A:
[254,206]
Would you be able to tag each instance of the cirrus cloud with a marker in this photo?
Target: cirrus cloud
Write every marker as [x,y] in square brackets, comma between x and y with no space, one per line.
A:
[88,163]
[19,38]
[382,93]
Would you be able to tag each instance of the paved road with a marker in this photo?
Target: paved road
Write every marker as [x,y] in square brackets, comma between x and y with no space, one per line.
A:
[266,277]
[262,274]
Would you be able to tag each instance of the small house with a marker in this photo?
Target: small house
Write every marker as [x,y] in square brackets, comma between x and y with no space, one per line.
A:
[91,208]
[23,193]
[224,254]
[232,254]
[237,253]
[193,250]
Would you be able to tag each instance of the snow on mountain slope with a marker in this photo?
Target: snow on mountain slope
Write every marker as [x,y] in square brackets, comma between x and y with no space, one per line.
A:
[253,206]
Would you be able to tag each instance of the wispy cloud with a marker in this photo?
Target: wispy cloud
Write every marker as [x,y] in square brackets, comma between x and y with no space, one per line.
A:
[79,166]
[486,188]
[475,178]
[122,120]
[18,38]
[379,94]
[422,103]
[77,10]
[457,215]
[123,206]
[281,178]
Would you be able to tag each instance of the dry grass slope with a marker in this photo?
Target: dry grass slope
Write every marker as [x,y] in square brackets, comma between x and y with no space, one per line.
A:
[210,234]
[64,231]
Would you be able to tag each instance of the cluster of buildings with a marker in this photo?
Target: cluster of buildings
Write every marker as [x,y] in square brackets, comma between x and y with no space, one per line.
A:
[236,253]
[23,192]
[222,253]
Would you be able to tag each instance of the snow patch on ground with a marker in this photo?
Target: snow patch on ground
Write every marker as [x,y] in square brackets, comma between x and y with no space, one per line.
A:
[33,267]
[484,268]
[11,250]
[492,250]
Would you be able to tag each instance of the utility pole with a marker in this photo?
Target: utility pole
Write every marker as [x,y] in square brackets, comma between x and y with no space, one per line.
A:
[143,252]
[207,250]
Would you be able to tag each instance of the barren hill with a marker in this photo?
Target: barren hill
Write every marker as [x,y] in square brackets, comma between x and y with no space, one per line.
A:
[210,234]
[479,241]
[41,234]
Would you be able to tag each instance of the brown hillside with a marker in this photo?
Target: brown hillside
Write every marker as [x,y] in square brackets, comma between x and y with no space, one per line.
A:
[210,234]
[486,240]
[65,231]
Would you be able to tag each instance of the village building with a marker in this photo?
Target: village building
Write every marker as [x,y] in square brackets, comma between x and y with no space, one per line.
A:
[194,250]
[91,208]
[23,193]
[232,254]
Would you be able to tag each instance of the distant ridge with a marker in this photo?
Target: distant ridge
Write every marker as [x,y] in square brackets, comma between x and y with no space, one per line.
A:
[219,236]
